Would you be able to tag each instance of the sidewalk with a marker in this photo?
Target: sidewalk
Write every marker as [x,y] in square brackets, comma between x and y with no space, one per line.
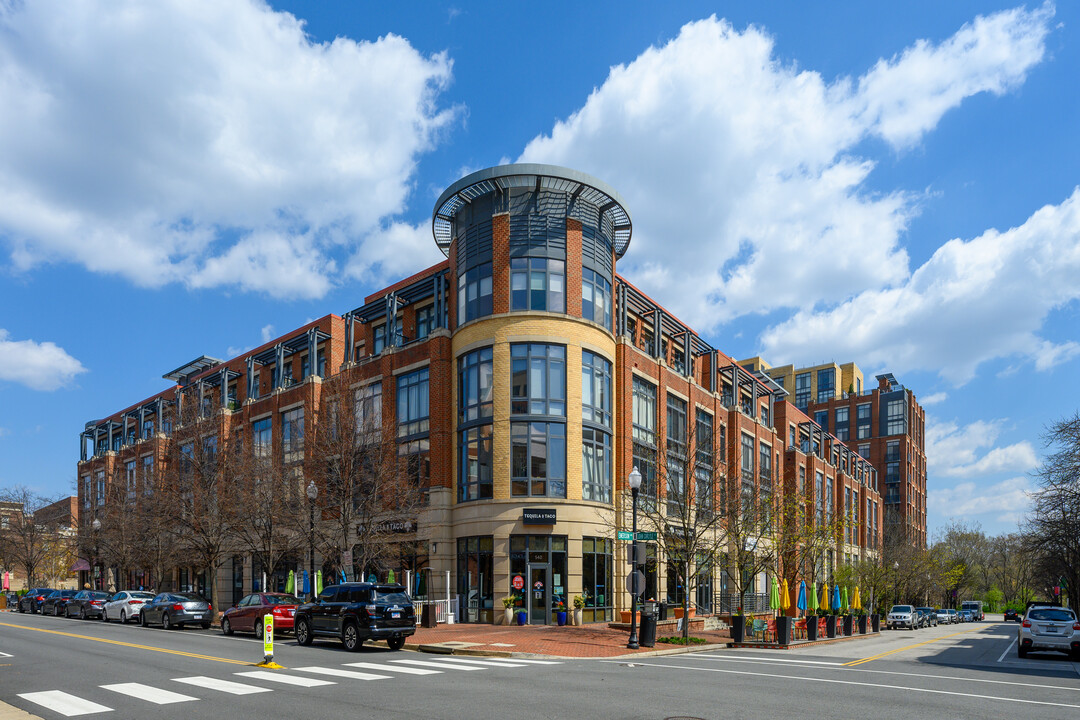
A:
[596,640]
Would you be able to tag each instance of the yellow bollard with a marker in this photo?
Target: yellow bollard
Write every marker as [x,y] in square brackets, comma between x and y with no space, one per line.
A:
[268,643]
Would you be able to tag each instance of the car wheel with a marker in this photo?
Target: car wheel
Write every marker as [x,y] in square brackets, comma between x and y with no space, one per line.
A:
[123,617]
[56,611]
[142,619]
[82,613]
[226,626]
[395,643]
[350,637]
[259,630]
[165,624]
[303,632]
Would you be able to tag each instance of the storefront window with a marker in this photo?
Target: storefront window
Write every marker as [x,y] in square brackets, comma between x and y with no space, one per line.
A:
[474,573]
[596,577]
[536,557]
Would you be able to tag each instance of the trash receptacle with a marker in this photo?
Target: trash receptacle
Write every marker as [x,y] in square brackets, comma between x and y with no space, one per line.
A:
[428,616]
[647,636]
[663,610]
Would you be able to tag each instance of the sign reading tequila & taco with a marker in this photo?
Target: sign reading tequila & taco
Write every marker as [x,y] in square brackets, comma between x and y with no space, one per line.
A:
[390,526]
[538,516]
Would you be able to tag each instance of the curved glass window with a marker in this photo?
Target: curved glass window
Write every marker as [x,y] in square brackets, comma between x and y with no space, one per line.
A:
[595,297]
[538,379]
[475,470]
[474,293]
[596,465]
[595,389]
[475,385]
[538,459]
[538,284]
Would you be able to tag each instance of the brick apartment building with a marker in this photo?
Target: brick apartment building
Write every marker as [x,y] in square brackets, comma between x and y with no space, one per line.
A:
[884,424]
[522,379]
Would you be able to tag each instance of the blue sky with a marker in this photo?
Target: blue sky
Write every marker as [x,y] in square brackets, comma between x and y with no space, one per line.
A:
[839,181]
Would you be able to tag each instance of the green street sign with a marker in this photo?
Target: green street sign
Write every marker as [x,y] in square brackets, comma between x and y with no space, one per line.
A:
[646,535]
[626,535]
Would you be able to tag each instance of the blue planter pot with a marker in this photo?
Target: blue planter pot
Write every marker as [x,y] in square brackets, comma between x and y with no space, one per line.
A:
[521,617]
[561,618]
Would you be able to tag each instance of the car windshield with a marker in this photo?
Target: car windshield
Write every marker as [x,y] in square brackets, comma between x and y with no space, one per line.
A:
[901,609]
[928,609]
[141,595]
[67,593]
[191,597]
[1053,615]
[98,595]
[391,594]
[282,600]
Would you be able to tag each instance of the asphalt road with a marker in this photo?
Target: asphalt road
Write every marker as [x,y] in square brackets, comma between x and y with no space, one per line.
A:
[54,667]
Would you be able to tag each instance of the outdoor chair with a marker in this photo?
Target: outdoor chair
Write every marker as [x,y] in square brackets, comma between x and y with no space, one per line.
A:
[798,629]
[770,631]
[758,629]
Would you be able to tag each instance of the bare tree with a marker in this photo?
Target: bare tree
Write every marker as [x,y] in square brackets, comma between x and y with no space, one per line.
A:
[119,538]
[1053,523]
[28,543]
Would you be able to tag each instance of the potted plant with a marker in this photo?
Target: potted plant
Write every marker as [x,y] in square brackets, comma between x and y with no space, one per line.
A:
[738,625]
[862,622]
[508,609]
[560,613]
[579,607]
[875,623]
[783,630]
[811,628]
[849,624]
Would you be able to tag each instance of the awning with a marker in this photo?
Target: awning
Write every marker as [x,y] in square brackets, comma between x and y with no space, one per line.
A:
[80,565]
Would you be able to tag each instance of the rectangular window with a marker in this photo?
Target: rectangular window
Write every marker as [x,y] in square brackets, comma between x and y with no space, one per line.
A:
[148,475]
[261,438]
[747,460]
[475,385]
[99,488]
[597,566]
[475,573]
[819,492]
[765,466]
[826,384]
[862,421]
[88,492]
[894,417]
[425,321]
[821,417]
[475,479]
[416,458]
[595,389]
[538,284]
[412,403]
[292,432]
[704,492]
[676,452]
[644,412]
[538,379]
[130,477]
[474,293]
[538,459]
[596,465]
[802,390]
[368,412]
[864,451]
[379,340]
[595,297]
[721,444]
[645,462]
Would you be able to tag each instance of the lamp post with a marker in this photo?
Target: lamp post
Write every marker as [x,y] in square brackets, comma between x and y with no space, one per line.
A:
[96,525]
[926,601]
[312,493]
[896,582]
[635,484]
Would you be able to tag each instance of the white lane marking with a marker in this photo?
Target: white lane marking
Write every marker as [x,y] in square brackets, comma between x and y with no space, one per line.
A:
[1007,650]
[919,675]
[482,663]
[63,703]
[233,688]
[530,662]
[337,672]
[440,666]
[285,679]
[388,668]
[773,659]
[878,686]
[3,654]
[148,693]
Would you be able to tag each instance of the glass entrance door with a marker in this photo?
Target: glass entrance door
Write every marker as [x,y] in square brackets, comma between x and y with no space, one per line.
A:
[539,594]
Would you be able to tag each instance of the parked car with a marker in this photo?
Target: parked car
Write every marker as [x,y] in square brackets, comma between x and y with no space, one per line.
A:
[31,601]
[967,615]
[902,616]
[1049,628]
[247,615]
[943,617]
[56,602]
[174,610]
[357,612]
[125,605]
[86,604]
[954,616]
[929,616]
[1012,615]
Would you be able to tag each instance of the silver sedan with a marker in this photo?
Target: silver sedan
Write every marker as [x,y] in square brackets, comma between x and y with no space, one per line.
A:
[125,605]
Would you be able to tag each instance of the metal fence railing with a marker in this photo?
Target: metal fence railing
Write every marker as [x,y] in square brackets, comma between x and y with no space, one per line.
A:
[728,603]
[442,609]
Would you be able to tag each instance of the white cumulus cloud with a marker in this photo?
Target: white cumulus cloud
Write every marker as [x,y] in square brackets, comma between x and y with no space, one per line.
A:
[1006,501]
[734,163]
[956,451]
[205,142]
[37,365]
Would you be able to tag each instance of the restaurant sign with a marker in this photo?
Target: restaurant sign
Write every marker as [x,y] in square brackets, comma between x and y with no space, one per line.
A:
[538,516]
[389,526]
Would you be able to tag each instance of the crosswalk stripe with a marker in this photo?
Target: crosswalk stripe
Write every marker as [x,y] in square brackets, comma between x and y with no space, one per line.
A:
[233,688]
[528,662]
[440,666]
[387,668]
[148,693]
[338,672]
[63,703]
[285,679]
[484,663]
[4,654]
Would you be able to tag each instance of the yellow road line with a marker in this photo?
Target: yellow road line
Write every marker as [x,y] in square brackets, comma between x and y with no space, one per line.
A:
[907,647]
[132,645]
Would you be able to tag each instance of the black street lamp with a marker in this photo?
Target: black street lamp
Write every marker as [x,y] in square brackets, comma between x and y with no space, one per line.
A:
[896,582]
[312,493]
[635,483]
[96,525]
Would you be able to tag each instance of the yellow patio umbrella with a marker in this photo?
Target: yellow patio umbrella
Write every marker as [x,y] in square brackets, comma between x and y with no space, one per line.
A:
[856,600]
[823,603]
[785,597]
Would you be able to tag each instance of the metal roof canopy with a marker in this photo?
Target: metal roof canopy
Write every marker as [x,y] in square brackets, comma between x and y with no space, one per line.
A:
[203,362]
[538,176]
[414,292]
[292,345]
[644,307]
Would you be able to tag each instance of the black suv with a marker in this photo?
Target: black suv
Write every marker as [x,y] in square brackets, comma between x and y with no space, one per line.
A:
[355,612]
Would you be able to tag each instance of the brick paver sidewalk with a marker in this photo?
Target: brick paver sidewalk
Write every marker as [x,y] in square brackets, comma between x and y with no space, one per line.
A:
[568,641]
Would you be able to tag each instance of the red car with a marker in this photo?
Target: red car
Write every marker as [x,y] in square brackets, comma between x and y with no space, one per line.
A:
[247,615]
